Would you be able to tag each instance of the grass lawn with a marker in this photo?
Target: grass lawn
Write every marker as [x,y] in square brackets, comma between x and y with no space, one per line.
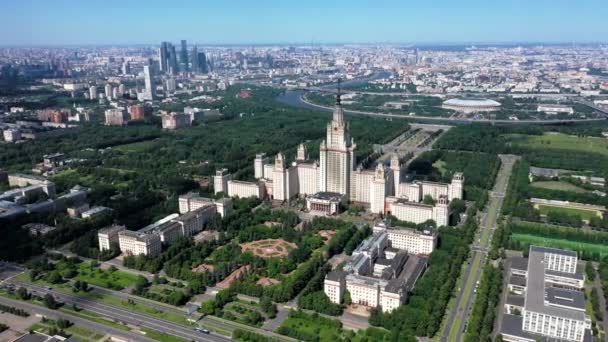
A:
[562,142]
[83,334]
[584,214]
[560,243]
[112,280]
[558,185]
[155,335]
[313,327]
[143,309]
[440,165]
[91,316]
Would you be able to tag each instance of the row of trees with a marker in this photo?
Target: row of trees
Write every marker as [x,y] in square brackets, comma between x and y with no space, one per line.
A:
[481,320]
[553,232]
[426,306]
[603,273]
[249,336]
[479,170]
[314,298]
[14,310]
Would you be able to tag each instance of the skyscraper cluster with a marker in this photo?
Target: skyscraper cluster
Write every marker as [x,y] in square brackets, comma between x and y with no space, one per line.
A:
[168,59]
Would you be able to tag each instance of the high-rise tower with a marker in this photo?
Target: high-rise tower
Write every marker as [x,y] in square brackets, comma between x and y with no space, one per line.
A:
[149,81]
[337,154]
[183,57]
[163,56]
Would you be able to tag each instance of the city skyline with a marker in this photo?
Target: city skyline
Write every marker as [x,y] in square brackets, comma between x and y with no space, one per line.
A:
[241,23]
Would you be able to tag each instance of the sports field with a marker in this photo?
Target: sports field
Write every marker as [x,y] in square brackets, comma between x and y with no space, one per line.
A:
[562,142]
[558,185]
[560,243]
[585,215]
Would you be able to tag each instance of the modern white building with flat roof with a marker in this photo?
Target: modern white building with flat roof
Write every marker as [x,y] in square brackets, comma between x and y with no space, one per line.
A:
[546,300]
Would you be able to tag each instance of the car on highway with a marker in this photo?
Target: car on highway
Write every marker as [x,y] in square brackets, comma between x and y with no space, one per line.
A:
[202,330]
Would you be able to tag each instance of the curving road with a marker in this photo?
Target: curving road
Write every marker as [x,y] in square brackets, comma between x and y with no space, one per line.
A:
[304,103]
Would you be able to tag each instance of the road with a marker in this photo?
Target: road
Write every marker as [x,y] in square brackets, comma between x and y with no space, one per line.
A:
[310,105]
[54,314]
[125,316]
[458,314]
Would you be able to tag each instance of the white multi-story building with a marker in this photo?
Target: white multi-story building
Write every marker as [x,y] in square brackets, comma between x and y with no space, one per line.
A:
[93,92]
[334,179]
[190,202]
[546,293]
[411,240]
[337,155]
[109,235]
[334,286]
[220,180]
[258,165]
[116,117]
[555,109]
[377,275]
[11,135]
[135,243]
[418,212]
[245,189]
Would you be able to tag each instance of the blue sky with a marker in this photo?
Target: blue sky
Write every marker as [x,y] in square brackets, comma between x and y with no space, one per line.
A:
[60,22]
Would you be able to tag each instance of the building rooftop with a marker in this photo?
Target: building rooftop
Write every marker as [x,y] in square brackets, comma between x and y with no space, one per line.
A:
[553,251]
[574,300]
[336,275]
[512,325]
[327,196]
[536,290]
[515,300]
[517,280]
[519,263]
[472,103]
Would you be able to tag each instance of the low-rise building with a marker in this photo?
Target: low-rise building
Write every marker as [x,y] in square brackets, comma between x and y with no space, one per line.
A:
[95,212]
[555,109]
[326,203]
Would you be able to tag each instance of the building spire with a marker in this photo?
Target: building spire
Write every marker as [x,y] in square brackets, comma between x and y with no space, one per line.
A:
[338,101]
[338,111]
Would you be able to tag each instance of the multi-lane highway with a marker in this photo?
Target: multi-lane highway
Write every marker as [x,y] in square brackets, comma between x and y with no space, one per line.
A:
[87,324]
[124,316]
[298,99]
[455,323]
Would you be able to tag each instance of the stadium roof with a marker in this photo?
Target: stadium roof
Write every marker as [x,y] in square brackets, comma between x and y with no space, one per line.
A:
[472,103]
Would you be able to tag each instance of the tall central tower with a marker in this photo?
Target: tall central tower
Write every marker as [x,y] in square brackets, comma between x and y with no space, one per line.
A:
[337,157]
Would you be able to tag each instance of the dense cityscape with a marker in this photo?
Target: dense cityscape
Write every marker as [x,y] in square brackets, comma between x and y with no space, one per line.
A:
[183,190]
